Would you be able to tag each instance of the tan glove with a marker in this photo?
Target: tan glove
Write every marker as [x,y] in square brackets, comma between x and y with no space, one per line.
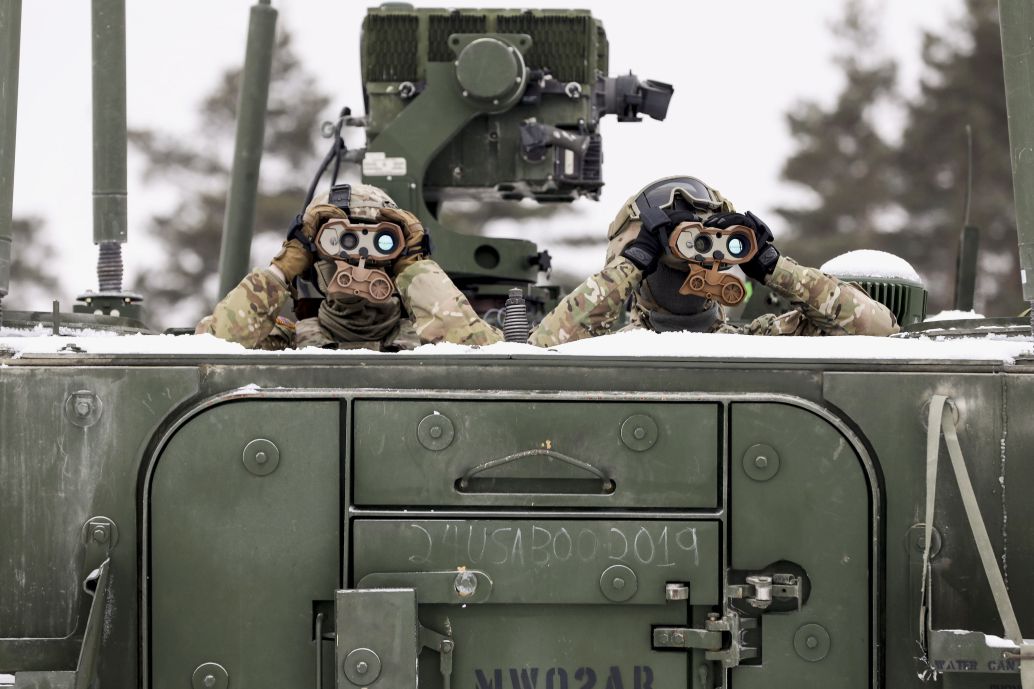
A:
[293,260]
[412,231]
[294,257]
[316,215]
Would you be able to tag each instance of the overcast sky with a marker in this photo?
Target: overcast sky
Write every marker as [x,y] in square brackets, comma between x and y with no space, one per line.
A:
[737,67]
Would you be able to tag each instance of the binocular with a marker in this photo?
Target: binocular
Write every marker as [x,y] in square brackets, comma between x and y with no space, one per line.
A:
[354,245]
[710,251]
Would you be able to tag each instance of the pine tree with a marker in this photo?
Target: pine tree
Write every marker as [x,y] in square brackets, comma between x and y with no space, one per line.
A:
[34,280]
[963,84]
[180,287]
[841,158]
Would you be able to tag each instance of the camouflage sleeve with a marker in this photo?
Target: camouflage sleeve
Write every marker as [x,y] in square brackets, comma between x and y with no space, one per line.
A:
[592,308]
[823,305]
[439,310]
[248,313]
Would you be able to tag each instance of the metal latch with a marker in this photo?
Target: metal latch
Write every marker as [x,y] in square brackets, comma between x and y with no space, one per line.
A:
[761,590]
[711,639]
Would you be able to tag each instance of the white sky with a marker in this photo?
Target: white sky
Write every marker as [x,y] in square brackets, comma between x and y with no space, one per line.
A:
[737,67]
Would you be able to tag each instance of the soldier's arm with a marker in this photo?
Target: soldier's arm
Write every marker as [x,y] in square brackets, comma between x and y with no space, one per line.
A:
[247,314]
[592,308]
[439,310]
[828,305]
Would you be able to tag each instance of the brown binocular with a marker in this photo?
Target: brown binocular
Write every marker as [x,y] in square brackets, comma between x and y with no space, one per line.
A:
[708,250]
[354,245]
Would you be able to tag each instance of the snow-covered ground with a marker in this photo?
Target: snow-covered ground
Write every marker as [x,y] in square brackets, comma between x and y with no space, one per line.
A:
[629,344]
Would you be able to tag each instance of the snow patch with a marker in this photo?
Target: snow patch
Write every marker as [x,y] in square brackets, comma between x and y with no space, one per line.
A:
[954,316]
[7,680]
[631,344]
[871,263]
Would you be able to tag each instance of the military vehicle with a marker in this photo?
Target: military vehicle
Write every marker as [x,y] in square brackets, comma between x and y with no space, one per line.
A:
[621,513]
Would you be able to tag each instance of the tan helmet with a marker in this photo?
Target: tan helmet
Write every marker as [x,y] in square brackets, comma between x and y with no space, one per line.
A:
[364,203]
[679,191]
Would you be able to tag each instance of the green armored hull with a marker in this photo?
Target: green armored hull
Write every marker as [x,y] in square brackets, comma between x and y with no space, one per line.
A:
[508,520]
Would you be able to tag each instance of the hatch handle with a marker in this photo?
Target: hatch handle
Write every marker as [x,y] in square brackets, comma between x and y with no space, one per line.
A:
[607,484]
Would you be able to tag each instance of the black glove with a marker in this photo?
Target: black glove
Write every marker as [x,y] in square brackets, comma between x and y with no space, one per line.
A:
[647,248]
[764,261]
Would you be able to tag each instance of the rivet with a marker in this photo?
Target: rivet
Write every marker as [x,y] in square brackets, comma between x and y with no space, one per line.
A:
[619,583]
[361,667]
[664,637]
[435,432]
[677,637]
[761,461]
[261,457]
[82,407]
[100,534]
[811,642]
[209,680]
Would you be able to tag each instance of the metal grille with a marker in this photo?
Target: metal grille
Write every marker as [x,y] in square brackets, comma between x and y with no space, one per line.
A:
[559,43]
[390,47]
[906,302]
[441,26]
[602,50]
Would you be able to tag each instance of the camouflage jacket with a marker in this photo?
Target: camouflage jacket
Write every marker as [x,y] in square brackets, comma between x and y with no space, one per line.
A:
[248,315]
[822,305]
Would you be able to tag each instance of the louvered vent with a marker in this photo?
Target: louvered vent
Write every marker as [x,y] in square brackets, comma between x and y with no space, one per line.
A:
[559,43]
[390,47]
[906,301]
[440,27]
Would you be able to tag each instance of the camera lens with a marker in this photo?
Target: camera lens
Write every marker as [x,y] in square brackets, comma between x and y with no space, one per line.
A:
[738,245]
[385,242]
[349,241]
[702,243]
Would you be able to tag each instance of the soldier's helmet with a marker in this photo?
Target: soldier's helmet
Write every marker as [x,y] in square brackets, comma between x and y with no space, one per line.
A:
[657,303]
[366,200]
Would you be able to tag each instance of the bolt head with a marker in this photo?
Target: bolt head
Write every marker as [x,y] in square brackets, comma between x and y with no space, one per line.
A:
[100,534]
[761,461]
[664,638]
[678,637]
[82,407]
[639,433]
[466,584]
[261,458]
[209,681]
[435,432]
[361,667]
[618,583]
[811,642]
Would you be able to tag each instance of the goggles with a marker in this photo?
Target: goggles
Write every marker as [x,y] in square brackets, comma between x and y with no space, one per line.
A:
[678,193]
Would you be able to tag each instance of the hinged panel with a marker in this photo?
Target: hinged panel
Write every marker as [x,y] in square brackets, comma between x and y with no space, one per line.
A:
[533,452]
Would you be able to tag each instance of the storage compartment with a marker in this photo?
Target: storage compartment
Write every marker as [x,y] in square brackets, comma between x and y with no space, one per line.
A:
[569,603]
[533,452]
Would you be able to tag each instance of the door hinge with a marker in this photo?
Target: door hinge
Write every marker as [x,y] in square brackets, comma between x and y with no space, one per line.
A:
[721,639]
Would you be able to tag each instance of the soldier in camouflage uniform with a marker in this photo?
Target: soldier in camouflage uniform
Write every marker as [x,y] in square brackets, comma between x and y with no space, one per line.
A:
[638,269]
[249,314]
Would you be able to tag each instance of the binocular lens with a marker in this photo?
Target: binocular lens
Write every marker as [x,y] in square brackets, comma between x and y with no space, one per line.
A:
[385,242]
[738,245]
[349,241]
[702,243]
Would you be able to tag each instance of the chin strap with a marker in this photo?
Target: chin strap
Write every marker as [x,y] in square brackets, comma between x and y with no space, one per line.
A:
[938,423]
